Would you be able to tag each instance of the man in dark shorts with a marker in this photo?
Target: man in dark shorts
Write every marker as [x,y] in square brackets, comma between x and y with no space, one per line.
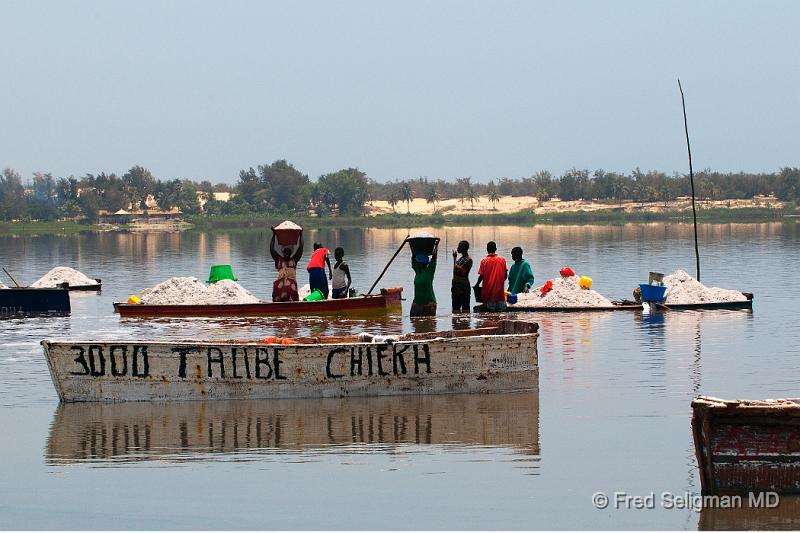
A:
[493,273]
[460,288]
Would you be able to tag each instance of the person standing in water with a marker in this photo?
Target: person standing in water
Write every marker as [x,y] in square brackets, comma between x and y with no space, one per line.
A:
[520,277]
[284,289]
[492,272]
[460,288]
[341,279]
[424,303]
[316,269]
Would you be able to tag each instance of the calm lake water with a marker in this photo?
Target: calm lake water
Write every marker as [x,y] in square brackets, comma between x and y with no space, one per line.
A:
[612,412]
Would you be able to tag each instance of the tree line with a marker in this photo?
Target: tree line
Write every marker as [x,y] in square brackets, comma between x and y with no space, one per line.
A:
[280,188]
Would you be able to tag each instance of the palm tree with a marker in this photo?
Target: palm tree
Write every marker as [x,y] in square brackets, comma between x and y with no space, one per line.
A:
[433,196]
[472,196]
[407,195]
[494,196]
[393,199]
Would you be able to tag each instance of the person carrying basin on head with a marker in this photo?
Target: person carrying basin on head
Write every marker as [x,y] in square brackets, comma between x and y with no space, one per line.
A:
[341,280]
[284,289]
[424,303]
[316,270]
[520,277]
[492,272]
[460,288]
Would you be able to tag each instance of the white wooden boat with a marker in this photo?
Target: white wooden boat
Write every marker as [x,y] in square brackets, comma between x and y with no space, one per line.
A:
[501,357]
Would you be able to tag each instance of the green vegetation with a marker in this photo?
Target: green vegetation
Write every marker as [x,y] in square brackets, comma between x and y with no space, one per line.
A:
[519,218]
[278,189]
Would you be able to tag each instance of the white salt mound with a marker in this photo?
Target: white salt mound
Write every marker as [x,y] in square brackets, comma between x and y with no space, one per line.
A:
[63,275]
[421,235]
[3,286]
[684,289]
[287,224]
[566,293]
[191,291]
[227,291]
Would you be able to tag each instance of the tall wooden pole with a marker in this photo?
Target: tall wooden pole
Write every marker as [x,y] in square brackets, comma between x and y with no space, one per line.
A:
[691,180]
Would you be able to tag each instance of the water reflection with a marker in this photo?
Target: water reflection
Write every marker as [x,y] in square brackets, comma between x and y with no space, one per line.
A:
[249,430]
[784,517]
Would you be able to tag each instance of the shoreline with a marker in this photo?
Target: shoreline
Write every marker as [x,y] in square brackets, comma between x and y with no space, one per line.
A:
[525,217]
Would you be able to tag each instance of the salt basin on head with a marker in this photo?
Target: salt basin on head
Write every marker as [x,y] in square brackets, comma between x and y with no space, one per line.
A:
[288,224]
[62,274]
[566,292]
[684,289]
[191,291]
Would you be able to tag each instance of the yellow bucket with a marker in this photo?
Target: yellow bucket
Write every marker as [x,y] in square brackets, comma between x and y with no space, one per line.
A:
[585,282]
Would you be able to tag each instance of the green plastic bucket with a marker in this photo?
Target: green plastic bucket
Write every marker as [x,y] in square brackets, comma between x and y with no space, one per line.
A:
[315,296]
[219,272]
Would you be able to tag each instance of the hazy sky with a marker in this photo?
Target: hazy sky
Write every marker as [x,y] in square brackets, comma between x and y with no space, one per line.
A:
[403,89]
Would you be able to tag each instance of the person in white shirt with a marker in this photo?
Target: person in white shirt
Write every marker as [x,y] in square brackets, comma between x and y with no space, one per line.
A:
[341,280]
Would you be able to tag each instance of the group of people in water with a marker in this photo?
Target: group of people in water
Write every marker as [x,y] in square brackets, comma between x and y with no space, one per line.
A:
[490,287]
[284,289]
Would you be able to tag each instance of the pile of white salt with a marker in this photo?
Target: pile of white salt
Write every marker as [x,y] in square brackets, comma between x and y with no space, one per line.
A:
[60,275]
[566,293]
[684,289]
[191,291]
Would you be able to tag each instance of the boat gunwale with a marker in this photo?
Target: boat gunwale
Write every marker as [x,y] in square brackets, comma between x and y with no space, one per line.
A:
[478,333]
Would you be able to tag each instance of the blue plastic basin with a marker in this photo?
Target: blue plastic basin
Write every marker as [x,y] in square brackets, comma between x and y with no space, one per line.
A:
[652,293]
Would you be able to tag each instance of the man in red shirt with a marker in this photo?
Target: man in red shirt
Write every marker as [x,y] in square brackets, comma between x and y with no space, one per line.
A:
[493,273]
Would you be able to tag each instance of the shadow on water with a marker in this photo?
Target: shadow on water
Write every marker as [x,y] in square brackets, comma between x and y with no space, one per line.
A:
[116,434]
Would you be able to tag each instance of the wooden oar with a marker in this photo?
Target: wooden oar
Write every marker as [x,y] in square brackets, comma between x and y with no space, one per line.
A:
[389,263]
[10,276]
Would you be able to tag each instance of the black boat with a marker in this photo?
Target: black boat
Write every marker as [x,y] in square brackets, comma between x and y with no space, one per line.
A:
[16,301]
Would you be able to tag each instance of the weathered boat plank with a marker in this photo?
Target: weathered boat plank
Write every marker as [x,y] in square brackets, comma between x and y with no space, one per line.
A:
[744,446]
[136,371]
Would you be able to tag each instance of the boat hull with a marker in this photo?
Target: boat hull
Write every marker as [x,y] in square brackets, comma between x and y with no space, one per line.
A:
[529,309]
[32,301]
[747,446]
[747,304]
[85,371]
[378,303]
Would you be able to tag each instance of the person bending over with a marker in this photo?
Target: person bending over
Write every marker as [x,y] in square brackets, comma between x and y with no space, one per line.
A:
[316,269]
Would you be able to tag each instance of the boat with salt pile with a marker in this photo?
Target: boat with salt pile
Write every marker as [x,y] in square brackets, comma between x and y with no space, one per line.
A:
[747,446]
[739,304]
[376,303]
[499,357]
[91,287]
